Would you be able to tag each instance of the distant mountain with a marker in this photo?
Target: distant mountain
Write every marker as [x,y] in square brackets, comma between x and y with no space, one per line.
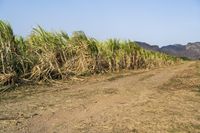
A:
[191,50]
[148,46]
[176,50]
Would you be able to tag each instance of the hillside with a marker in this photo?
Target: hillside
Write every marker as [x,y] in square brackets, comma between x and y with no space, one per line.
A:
[148,46]
[191,50]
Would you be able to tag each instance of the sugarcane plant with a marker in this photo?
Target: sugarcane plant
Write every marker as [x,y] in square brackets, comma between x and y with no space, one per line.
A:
[47,56]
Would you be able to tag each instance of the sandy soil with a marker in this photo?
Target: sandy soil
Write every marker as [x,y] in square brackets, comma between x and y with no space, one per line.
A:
[160,100]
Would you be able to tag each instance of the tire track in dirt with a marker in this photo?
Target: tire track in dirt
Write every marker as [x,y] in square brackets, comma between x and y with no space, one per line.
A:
[130,103]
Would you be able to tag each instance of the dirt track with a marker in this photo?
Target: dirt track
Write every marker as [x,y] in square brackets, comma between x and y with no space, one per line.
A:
[159,100]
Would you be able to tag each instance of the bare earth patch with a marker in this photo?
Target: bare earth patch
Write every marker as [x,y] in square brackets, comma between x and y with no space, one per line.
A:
[159,100]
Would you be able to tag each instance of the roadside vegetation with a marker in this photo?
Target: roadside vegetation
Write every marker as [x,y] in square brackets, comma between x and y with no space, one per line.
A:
[46,56]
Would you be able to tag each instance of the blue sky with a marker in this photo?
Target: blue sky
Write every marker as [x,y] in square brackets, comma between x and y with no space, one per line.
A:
[159,22]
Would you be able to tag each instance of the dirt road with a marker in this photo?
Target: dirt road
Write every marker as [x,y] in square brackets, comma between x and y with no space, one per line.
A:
[160,100]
